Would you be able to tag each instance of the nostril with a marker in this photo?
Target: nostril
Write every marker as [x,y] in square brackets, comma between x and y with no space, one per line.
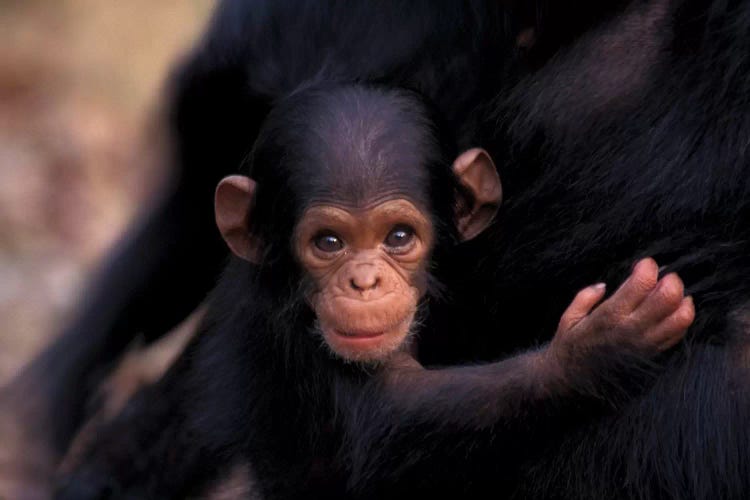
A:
[364,284]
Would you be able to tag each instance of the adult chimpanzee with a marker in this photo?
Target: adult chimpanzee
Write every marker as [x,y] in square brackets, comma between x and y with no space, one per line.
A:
[634,141]
[351,207]
[613,137]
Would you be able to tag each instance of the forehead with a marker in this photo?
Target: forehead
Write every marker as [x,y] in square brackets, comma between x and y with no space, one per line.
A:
[358,148]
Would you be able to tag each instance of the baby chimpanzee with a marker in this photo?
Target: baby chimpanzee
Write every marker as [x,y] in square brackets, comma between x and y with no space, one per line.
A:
[302,371]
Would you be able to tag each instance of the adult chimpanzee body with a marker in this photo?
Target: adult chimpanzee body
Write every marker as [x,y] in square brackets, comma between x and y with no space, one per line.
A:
[629,140]
[349,211]
[634,140]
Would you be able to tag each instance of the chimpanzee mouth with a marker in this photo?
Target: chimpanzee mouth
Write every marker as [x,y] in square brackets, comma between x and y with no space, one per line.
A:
[360,334]
[373,333]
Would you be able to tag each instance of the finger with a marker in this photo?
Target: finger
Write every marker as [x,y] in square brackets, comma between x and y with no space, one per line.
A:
[582,305]
[635,289]
[673,328]
[665,298]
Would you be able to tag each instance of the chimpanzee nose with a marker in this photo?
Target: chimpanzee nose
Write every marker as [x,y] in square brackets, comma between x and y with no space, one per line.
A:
[364,278]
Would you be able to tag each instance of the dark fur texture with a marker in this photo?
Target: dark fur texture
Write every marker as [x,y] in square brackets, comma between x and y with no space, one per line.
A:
[259,385]
[457,54]
[595,180]
[253,53]
[624,134]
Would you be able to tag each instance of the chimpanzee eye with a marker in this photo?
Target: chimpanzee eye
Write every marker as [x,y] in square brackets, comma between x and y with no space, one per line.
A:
[328,242]
[400,236]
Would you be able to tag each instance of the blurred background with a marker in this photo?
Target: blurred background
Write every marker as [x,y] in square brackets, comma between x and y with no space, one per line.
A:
[79,82]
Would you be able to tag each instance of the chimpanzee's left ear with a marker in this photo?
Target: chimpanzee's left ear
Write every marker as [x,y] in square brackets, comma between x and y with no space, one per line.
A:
[477,173]
[232,202]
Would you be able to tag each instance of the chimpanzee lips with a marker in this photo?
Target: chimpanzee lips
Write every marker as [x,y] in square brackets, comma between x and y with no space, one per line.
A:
[360,333]
[377,329]
[372,343]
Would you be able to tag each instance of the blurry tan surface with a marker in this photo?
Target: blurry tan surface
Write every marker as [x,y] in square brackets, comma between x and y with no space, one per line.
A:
[78,79]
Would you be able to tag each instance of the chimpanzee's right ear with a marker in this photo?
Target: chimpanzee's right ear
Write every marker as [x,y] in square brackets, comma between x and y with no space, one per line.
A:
[232,202]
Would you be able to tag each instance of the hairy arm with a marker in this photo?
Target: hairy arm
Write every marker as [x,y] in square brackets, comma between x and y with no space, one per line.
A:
[423,423]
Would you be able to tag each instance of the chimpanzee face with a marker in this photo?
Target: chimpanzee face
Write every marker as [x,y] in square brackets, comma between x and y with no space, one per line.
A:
[368,267]
[352,174]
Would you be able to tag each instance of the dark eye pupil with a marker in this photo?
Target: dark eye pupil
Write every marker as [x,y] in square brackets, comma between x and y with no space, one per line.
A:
[328,243]
[399,237]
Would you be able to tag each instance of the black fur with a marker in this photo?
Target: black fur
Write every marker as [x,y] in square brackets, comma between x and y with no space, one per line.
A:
[253,53]
[457,54]
[596,181]
[612,144]
[260,386]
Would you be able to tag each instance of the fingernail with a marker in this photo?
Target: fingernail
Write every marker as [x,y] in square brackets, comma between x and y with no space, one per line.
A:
[644,259]
[600,286]
[661,281]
